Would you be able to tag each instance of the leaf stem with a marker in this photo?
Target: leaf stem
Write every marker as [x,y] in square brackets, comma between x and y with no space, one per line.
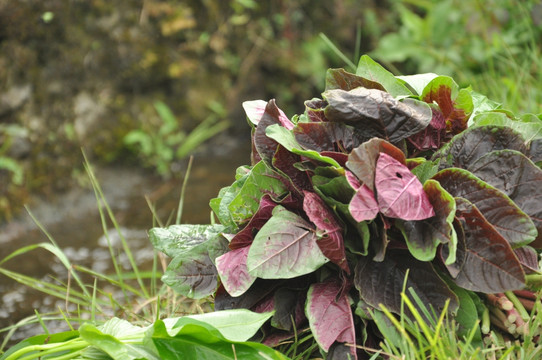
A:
[518,305]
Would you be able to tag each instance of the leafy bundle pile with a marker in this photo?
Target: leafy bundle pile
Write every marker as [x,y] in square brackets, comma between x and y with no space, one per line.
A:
[384,184]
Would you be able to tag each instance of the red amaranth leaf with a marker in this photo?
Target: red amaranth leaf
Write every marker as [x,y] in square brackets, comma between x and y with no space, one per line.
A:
[244,237]
[232,268]
[330,315]
[399,193]
[363,205]
[330,239]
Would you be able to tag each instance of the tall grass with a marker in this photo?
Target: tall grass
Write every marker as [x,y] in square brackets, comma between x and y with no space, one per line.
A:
[93,296]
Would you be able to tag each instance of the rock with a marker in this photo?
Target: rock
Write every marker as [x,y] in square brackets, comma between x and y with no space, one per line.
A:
[14,98]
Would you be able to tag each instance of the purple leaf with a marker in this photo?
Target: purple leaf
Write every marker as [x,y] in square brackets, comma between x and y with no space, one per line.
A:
[256,108]
[382,282]
[330,315]
[377,112]
[433,135]
[363,205]
[265,146]
[352,180]
[244,237]
[295,180]
[399,193]
[490,264]
[501,212]
[329,136]
[362,160]
[341,79]
[528,257]
[232,268]
[331,240]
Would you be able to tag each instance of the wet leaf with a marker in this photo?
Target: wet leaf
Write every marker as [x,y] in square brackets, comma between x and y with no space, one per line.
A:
[330,315]
[490,264]
[285,247]
[399,193]
[501,212]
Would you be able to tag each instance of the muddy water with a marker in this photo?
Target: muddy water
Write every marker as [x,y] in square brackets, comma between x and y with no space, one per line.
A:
[73,221]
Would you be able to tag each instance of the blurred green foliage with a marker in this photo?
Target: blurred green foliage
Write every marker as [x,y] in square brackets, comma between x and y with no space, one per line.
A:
[493,45]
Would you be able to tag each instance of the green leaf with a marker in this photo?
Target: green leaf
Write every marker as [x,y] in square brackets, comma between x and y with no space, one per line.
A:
[260,181]
[373,71]
[467,314]
[285,247]
[192,273]
[287,139]
[234,325]
[177,239]
[113,346]
[529,125]
[418,82]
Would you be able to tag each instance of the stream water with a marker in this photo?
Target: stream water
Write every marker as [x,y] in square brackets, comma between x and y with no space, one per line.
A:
[74,222]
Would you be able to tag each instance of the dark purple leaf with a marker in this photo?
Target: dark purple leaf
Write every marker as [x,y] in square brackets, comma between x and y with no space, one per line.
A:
[528,257]
[423,236]
[244,237]
[330,315]
[433,135]
[379,238]
[475,142]
[329,230]
[288,306]
[378,113]
[232,268]
[382,282]
[339,157]
[341,79]
[258,292]
[362,160]
[315,110]
[284,162]
[329,136]
[399,193]
[363,205]
[285,247]
[490,264]
[501,212]
[518,177]
[264,145]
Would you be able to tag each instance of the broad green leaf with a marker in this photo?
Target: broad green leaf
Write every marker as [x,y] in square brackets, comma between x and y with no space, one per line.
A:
[481,103]
[113,346]
[220,205]
[467,315]
[59,338]
[234,325]
[371,70]
[192,273]
[285,247]
[424,236]
[501,212]
[490,265]
[260,181]
[287,139]
[418,82]
[176,239]
[529,126]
